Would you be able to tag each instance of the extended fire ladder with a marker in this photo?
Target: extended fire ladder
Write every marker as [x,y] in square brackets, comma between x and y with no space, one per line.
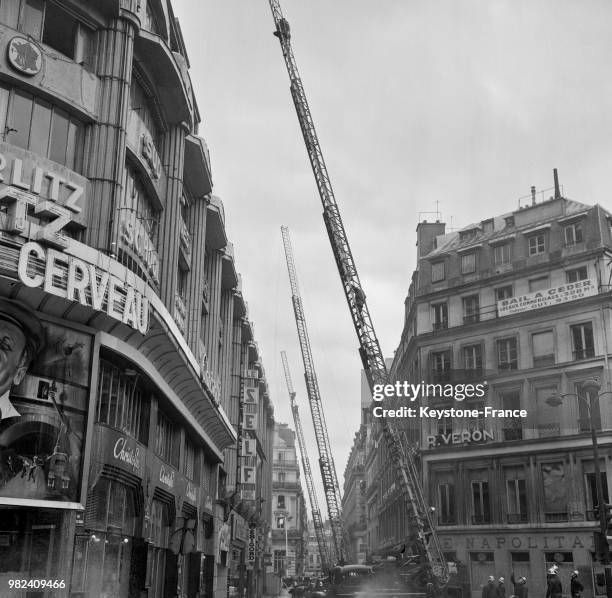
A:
[326,459]
[312,495]
[369,348]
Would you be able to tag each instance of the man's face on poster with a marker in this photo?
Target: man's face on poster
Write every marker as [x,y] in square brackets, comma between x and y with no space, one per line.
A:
[13,358]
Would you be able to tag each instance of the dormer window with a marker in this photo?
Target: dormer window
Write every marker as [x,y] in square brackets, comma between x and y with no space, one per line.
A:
[468,263]
[509,221]
[573,234]
[537,244]
[468,235]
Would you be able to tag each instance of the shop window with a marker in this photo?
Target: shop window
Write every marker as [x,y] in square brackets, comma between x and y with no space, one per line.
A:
[555,491]
[543,349]
[156,561]
[521,564]
[573,234]
[40,127]
[582,341]
[471,309]
[440,316]
[121,401]
[165,438]
[502,254]
[576,274]
[507,354]
[468,263]
[481,509]
[437,271]
[536,244]
[482,566]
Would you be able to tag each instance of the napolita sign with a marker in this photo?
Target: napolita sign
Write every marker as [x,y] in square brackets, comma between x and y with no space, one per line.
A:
[68,277]
[547,298]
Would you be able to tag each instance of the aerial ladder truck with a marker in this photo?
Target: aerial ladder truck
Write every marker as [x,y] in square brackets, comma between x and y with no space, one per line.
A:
[425,540]
[326,459]
[312,495]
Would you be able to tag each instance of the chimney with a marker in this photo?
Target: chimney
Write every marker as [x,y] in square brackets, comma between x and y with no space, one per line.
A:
[533,200]
[426,234]
[557,190]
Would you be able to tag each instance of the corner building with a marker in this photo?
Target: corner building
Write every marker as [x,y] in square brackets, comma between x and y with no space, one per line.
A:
[119,455]
[521,301]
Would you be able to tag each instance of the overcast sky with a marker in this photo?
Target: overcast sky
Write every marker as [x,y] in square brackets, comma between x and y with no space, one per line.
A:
[418,104]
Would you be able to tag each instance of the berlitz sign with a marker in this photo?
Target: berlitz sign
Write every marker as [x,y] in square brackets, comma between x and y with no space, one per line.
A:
[71,278]
[547,298]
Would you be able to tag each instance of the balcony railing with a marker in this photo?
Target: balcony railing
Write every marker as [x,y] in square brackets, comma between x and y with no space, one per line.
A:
[507,365]
[471,318]
[583,353]
[513,434]
[481,519]
[446,519]
[556,516]
[543,361]
[443,325]
[517,517]
[548,430]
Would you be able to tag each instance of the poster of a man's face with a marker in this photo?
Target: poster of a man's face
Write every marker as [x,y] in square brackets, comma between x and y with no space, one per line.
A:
[44,384]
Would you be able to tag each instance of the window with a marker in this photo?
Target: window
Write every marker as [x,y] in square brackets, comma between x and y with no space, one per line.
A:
[280,502]
[488,225]
[543,349]
[582,341]
[576,274]
[40,127]
[121,402]
[573,234]
[189,460]
[282,476]
[471,309]
[468,263]
[472,359]
[144,119]
[437,271]
[468,235]
[165,438]
[502,293]
[446,504]
[440,316]
[536,244]
[445,426]
[538,284]
[441,366]
[502,254]
[281,456]
[586,415]
[279,562]
[591,487]
[516,495]
[156,562]
[509,221]
[555,492]
[507,355]
[480,503]
[512,430]
[548,416]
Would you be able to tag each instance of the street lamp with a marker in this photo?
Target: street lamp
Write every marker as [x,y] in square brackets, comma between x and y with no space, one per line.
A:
[591,388]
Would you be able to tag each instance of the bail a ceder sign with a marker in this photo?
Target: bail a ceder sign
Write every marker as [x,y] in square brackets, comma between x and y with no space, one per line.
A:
[547,297]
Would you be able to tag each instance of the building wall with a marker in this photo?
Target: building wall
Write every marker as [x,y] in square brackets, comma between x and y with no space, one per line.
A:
[353,500]
[128,419]
[510,493]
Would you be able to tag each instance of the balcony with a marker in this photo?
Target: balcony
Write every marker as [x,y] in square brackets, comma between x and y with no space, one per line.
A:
[513,434]
[517,518]
[443,325]
[180,312]
[471,318]
[439,376]
[549,430]
[481,519]
[543,361]
[446,519]
[507,365]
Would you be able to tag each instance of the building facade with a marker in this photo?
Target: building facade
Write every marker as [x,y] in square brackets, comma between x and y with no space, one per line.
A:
[522,302]
[120,460]
[290,518]
[353,500]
